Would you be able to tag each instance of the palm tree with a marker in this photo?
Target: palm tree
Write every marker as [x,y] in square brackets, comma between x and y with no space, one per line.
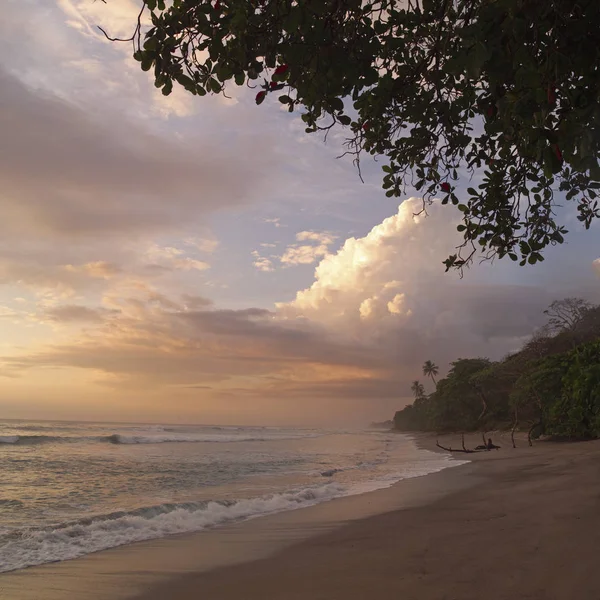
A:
[429,370]
[418,390]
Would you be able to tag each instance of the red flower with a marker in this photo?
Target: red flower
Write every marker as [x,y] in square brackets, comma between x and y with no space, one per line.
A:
[445,187]
[281,69]
[260,97]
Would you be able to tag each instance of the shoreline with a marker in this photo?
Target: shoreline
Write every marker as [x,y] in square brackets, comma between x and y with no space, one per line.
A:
[125,571]
[526,526]
[497,526]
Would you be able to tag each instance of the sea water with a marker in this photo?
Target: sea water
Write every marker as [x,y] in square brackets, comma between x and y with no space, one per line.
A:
[69,489]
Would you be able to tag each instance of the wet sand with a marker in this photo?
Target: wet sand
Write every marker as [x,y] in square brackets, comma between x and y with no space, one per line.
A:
[529,529]
[518,524]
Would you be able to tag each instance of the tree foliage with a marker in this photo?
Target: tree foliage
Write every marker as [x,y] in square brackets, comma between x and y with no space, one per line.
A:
[430,369]
[551,386]
[418,390]
[506,90]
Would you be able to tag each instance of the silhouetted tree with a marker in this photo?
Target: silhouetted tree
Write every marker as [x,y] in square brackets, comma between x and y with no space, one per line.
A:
[417,389]
[430,369]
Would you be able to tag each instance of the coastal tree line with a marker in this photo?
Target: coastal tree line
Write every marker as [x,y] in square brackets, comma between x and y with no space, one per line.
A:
[551,386]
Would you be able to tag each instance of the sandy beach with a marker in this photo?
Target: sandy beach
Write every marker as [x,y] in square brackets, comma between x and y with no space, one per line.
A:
[530,528]
[521,523]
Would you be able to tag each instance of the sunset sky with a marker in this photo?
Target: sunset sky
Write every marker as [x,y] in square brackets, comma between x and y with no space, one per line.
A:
[204,260]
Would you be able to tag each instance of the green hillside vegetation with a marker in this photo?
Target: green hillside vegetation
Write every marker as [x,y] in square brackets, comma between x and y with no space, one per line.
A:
[550,387]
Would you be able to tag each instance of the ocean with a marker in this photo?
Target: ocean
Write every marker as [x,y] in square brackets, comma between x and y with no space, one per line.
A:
[69,489]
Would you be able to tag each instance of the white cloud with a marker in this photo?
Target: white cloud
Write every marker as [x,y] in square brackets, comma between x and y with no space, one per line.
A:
[262,263]
[274,221]
[388,288]
[321,237]
[170,257]
[306,254]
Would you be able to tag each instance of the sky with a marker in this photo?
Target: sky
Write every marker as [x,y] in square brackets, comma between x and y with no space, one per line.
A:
[183,259]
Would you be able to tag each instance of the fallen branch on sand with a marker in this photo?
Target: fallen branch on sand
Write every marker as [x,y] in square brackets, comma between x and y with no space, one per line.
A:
[483,448]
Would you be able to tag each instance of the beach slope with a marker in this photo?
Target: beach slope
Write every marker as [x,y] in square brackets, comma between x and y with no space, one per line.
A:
[528,529]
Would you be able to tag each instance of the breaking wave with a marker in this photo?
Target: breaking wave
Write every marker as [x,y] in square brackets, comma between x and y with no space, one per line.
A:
[25,548]
[119,438]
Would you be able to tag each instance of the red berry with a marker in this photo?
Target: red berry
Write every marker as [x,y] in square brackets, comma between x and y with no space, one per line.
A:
[366,126]
[558,153]
[218,5]
[281,69]
[445,187]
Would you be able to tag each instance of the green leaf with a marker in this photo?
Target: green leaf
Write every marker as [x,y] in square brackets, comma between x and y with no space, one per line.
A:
[337,104]
[344,119]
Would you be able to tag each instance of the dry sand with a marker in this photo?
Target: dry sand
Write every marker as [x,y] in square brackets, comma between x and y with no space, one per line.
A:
[512,524]
[529,529]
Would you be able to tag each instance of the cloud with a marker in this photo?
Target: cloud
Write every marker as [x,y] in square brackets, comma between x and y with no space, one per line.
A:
[34,274]
[71,313]
[376,310]
[207,245]
[173,258]
[306,254]
[99,269]
[388,289]
[98,174]
[596,266]
[325,238]
[274,221]
[146,343]
[262,263]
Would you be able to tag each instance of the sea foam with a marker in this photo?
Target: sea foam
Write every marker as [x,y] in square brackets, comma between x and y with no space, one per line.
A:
[71,540]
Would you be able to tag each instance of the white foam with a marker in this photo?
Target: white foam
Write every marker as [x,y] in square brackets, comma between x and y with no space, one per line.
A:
[205,437]
[34,547]
[71,540]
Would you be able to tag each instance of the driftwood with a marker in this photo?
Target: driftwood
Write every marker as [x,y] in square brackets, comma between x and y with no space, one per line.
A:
[483,448]
[455,449]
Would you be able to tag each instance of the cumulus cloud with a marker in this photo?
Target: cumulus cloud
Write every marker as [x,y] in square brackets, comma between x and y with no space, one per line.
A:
[388,288]
[306,254]
[262,263]
[376,310]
